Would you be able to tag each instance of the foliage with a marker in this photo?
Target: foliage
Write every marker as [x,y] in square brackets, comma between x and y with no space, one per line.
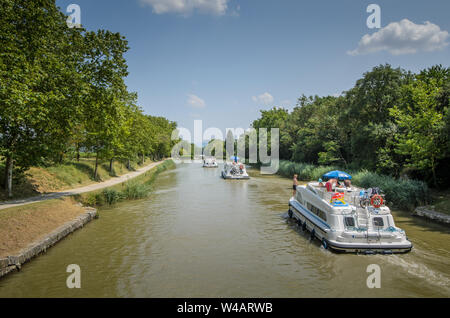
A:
[391,122]
[400,193]
[62,90]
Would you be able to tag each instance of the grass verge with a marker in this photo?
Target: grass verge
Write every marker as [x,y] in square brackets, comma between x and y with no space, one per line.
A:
[22,225]
[137,188]
[71,174]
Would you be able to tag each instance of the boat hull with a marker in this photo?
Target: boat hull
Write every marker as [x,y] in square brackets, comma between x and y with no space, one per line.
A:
[321,230]
[234,177]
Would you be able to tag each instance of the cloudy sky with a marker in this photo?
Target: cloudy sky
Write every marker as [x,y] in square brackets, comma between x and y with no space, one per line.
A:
[223,60]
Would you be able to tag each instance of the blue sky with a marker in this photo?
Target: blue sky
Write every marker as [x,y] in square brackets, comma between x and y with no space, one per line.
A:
[223,60]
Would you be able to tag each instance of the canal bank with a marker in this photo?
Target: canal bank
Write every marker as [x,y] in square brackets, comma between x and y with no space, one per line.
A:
[14,262]
[201,236]
[27,230]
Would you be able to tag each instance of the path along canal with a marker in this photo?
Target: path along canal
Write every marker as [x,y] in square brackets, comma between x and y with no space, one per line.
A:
[198,235]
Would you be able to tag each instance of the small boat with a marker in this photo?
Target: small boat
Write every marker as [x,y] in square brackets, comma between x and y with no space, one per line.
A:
[234,170]
[210,162]
[347,219]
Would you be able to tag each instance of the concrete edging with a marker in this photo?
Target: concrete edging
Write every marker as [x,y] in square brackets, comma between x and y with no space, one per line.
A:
[425,211]
[15,262]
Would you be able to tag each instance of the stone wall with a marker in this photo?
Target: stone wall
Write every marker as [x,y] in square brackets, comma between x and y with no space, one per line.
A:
[14,262]
[426,212]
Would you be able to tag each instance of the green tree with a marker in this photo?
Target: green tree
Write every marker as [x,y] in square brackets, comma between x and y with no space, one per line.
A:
[104,68]
[37,81]
[422,125]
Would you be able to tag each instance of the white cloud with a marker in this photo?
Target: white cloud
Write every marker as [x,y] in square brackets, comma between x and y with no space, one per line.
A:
[285,103]
[195,101]
[186,7]
[265,99]
[404,37]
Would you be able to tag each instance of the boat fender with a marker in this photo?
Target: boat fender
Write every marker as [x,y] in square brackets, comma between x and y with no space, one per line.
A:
[304,226]
[324,243]
[313,234]
[299,222]
[290,213]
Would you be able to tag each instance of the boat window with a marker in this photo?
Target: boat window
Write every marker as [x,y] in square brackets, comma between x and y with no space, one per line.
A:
[322,215]
[317,211]
[312,189]
[349,221]
[299,197]
[378,221]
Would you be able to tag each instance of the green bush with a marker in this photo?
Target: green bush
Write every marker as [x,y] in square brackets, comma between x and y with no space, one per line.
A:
[305,171]
[111,196]
[400,193]
[93,199]
[137,188]
[134,190]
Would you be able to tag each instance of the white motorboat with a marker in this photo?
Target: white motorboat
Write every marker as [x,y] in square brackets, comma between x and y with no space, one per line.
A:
[348,219]
[234,170]
[210,162]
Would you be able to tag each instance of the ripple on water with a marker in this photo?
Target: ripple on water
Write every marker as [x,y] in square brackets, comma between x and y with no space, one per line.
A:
[200,236]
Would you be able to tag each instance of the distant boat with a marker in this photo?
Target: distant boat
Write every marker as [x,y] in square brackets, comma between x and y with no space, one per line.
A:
[234,170]
[210,162]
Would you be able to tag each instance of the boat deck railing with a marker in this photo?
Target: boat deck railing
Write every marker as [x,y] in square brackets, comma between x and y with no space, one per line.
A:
[351,195]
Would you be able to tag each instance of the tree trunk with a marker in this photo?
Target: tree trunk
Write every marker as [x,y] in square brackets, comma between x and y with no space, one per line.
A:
[78,152]
[8,175]
[111,164]
[433,169]
[96,166]
[143,159]
[128,165]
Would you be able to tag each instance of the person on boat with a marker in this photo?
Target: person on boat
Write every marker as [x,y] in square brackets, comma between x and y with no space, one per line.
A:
[295,183]
[321,183]
[347,183]
[329,186]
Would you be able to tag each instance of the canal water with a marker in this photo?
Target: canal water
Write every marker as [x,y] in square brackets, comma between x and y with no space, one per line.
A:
[198,235]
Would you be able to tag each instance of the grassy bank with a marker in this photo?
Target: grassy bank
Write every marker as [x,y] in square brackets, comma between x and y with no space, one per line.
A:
[70,174]
[137,188]
[22,225]
[440,201]
[400,193]
[19,226]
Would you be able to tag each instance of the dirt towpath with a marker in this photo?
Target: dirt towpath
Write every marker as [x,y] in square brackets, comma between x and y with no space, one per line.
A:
[88,188]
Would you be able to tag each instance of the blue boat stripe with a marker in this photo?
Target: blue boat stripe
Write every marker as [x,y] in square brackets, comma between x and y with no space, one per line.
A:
[298,206]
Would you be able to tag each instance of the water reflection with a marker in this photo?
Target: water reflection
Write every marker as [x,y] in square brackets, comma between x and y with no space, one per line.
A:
[198,235]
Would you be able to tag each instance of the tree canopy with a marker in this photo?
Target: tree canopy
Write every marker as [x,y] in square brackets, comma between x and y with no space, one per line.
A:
[63,89]
[392,122]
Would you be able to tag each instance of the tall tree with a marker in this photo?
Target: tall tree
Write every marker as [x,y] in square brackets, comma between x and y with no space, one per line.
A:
[35,60]
[420,115]
[104,68]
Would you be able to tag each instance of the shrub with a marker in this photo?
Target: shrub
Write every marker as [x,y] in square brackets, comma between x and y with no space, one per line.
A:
[134,190]
[93,199]
[400,193]
[111,196]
